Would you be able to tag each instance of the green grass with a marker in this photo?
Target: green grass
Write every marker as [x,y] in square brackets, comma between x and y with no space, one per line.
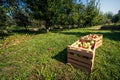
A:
[26,56]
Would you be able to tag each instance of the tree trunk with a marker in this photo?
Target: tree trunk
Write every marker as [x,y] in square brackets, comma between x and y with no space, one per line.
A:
[78,23]
[47,27]
[26,28]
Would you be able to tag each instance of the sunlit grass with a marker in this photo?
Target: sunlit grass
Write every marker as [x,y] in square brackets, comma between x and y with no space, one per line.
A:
[27,56]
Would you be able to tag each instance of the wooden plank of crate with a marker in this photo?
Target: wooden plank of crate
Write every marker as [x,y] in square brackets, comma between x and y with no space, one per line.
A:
[79,63]
[88,70]
[87,61]
[81,50]
[74,43]
[98,44]
[80,58]
[89,55]
[98,39]
[93,61]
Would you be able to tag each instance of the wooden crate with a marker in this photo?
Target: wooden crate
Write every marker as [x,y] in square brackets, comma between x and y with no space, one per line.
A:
[98,40]
[81,58]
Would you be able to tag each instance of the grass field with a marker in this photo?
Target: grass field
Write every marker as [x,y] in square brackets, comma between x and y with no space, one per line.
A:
[29,56]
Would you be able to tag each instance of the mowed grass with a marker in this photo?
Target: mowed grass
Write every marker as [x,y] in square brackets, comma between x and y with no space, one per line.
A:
[43,56]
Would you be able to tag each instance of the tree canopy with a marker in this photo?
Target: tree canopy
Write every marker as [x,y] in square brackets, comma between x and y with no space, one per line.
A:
[53,12]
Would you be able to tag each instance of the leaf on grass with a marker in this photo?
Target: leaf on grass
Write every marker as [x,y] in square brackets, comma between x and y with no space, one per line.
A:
[50,48]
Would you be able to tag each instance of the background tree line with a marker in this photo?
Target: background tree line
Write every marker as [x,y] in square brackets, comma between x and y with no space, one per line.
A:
[114,18]
[50,13]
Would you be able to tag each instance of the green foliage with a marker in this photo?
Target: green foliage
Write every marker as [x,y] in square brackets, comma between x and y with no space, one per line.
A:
[2,17]
[109,15]
[116,18]
[91,13]
[65,12]
[22,19]
[44,10]
[55,12]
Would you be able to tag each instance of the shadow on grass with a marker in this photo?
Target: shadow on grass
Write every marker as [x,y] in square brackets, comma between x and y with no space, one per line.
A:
[22,31]
[110,27]
[3,35]
[61,56]
[113,35]
[78,34]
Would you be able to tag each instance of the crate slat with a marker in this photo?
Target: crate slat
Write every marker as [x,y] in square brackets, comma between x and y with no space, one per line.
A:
[83,53]
[98,44]
[72,61]
[82,68]
[79,58]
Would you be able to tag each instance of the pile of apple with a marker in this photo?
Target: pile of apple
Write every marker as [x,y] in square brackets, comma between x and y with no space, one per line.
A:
[94,36]
[85,45]
[91,36]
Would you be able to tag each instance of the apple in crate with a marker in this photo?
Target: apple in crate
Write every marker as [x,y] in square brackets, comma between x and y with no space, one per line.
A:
[88,43]
[76,44]
[95,36]
[92,42]
[80,45]
[85,45]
